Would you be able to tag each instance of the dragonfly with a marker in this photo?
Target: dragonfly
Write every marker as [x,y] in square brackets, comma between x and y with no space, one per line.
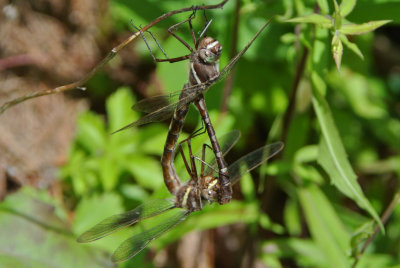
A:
[204,72]
[192,196]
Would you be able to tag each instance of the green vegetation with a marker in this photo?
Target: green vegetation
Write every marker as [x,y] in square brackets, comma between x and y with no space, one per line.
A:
[318,201]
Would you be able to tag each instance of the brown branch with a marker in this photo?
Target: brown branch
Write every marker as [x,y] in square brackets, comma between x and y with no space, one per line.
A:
[229,80]
[79,84]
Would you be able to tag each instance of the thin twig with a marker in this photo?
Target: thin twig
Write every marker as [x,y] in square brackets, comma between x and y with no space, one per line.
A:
[108,57]
[384,218]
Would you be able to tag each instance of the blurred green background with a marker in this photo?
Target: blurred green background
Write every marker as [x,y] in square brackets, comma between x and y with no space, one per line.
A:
[330,91]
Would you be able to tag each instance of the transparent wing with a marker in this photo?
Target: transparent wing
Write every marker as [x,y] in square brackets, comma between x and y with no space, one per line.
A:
[163,108]
[115,222]
[133,245]
[252,160]
[226,142]
[152,104]
[157,116]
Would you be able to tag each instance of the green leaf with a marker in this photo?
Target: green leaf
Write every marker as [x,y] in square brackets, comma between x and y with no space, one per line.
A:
[91,132]
[336,16]
[247,186]
[306,154]
[308,173]
[325,226]
[135,192]
[305,252]
[360,235]
[92,209]
[33,235]
[292,218]
[337,50]
[267,224]
[108,172]
[146,171]
[319,83]
[353,47]
[119,109]
[346,6]
[211,217]
[324,6]
[333,158]
[314,18]
[361,93]
[354,29]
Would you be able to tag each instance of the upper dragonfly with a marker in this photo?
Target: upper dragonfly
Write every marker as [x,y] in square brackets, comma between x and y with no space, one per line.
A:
[191,196]
[204,72]
[162,107]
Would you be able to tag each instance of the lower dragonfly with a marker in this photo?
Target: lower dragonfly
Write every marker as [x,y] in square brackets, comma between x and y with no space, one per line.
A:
[198,191]
[204,72]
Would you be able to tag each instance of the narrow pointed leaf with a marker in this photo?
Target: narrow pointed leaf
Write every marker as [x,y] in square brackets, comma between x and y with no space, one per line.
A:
[324,6]
[367,27]
[333,158]
[314,18]
[353,47]
[337,19]
[336,6]
[325,226]
[346,6]
[337,50]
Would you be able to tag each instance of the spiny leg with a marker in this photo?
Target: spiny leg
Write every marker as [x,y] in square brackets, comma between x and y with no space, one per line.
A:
[159,46]
[175,26]
[192,163]
[197,132]
[203,158]
[225,193]
[184,159]
[147,44]
[171,31]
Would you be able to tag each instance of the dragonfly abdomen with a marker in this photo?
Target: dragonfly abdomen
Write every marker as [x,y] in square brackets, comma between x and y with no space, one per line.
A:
[171,178]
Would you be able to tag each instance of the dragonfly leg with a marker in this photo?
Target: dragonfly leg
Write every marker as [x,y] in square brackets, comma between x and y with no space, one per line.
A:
[147,44]
[184,158]
[171,60]
[203,159]
[171,32]
[192,163]
[175,26]
[225,192]
[196,133]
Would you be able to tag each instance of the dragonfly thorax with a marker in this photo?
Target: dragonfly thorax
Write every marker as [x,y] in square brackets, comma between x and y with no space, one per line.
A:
[209,50]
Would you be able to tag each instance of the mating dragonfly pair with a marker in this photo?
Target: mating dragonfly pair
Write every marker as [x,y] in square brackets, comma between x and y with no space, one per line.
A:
[192,196]
[201,188]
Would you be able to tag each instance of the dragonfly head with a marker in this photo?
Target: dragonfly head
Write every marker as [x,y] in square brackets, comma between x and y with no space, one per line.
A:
[209,50]
[209,188]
